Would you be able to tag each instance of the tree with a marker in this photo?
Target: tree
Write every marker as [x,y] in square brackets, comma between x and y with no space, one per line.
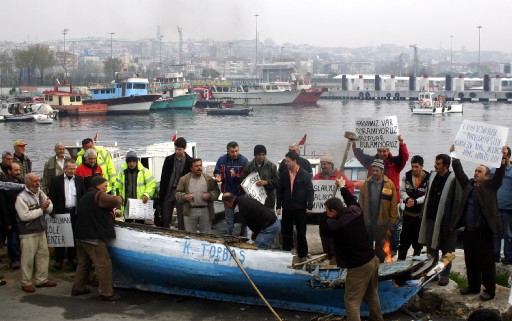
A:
[7,75]
[23,60]
[43,58]
[110,66]
[210,73]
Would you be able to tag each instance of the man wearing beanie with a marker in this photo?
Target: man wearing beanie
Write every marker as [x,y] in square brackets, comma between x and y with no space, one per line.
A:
[379,203]
[175,166]
[268,174]
[134,181]
[94,225]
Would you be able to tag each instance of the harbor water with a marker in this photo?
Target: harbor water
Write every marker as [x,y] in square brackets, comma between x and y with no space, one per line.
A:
[273,126]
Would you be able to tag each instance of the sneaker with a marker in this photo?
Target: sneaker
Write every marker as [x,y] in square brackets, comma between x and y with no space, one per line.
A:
[113,297]
[15,265]
[28,288]
[486,296]
[77,293]
[47,284]
[466,291]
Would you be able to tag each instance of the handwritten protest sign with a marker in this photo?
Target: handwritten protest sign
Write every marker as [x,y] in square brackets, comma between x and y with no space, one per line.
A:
[323,191]
[60,231]
[136,210]
[480,143]
[377,132]
[256,192]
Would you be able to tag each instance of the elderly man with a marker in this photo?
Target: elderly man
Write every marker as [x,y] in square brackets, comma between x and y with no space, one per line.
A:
[31,205]
[20,158]
[413,190]
[197,191]
[134,181]
[479,215]
[103,159]
[89,168]
[228,171]
[267,171]
[379,204]
[65,191]
[295,197]
[54,166]
[260,219]
[175,166]
[94,225]
[7,159]
[303,163]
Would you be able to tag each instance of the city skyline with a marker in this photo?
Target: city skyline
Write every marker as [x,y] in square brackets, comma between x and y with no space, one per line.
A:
[324,23]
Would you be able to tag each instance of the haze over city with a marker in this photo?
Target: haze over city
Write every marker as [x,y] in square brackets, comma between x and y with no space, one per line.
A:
[328,23]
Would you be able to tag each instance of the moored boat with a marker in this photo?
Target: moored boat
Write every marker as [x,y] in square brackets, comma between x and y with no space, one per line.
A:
[183,102]
[176,90]
[221,111]
[127,94]
[198,265]
[257,93]
[308,95]
[68,102]
[427,105]
[205,99]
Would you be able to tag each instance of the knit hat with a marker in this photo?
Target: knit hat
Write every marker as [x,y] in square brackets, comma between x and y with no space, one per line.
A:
[19,142]
[131,156]
[327,158]
[258,149]
[378,163]
[97,180]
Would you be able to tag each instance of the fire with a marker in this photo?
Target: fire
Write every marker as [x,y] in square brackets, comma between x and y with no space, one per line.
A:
[386,247]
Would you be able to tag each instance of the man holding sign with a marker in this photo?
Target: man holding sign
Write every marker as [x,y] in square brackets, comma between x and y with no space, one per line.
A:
[479,215]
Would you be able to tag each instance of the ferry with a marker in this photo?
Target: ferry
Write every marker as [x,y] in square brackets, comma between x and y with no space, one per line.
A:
[69,102]
[127,94]
[260,94]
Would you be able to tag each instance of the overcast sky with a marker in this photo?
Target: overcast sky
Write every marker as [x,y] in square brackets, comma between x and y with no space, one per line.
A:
[333,23]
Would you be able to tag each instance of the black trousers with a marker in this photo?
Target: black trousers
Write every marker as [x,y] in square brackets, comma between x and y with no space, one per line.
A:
[409,236]
[297,218]
[479,258]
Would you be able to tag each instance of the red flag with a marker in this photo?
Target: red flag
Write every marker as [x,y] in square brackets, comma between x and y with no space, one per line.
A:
[303,140]
[96,136]
[175,136]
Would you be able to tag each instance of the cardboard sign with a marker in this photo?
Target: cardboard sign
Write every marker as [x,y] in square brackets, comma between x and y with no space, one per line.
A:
[60,231]
[323,191]
[136,210]
[481,143]
[379,132]
[256,192]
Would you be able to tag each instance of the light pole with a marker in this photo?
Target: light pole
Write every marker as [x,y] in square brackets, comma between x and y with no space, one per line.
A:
[415,46]
[479,28]
[256,61]
[451,53]
[64,32]
[111,56]
[161,36]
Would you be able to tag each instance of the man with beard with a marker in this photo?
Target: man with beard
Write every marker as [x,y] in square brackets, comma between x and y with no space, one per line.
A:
[54,166]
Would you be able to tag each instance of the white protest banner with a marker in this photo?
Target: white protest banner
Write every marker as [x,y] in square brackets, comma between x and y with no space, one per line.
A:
[256,192]
[136,210]
[323,191]
[377,132]
[480,143]
[60,231]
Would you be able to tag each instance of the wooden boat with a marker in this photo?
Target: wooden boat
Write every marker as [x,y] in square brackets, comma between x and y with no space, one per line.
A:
[180,263]
[427,105]
[175,89]
[127,94]
[228,111]
[69,102]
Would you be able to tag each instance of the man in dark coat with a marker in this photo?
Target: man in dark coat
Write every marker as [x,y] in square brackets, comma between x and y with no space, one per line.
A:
[175,166]
[66,190]
[478,213]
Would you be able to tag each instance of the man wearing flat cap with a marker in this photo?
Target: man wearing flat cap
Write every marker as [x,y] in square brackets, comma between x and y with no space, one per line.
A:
[379,203]
[267,170]
[20,158]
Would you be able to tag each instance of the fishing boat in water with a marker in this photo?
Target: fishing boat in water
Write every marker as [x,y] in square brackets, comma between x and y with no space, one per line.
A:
[21,111]
[308,95]
[69,102]
[127,94]
[199,265]
[205,99]
[257,93]
[175,91]
[428,105]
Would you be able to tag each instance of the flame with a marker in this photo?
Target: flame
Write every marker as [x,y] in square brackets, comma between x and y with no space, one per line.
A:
[386,247]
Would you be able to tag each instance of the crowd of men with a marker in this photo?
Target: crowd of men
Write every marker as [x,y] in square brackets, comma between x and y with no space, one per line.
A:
[430,208]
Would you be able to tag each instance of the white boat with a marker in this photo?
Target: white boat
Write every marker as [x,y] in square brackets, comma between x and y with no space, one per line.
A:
[427,105]
[19,111]
[257,94]
[127,94]
[43,119]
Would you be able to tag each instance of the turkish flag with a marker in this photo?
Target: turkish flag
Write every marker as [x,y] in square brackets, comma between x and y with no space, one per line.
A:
[303,140]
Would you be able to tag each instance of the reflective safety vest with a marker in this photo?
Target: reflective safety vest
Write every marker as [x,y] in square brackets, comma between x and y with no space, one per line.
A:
[146,183]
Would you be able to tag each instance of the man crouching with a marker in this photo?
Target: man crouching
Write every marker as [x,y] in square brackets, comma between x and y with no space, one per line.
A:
[346,226]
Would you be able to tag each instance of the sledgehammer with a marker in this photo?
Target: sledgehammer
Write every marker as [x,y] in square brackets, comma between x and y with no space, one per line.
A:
[352,137]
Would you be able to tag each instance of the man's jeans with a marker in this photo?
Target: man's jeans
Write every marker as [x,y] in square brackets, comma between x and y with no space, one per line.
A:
[267,235]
